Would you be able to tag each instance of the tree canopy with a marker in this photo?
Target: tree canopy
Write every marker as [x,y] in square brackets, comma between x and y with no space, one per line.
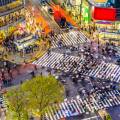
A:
[35,96]
[108,117]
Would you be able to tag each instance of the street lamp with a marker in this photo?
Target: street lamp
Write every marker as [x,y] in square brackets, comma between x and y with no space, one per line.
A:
[98,43]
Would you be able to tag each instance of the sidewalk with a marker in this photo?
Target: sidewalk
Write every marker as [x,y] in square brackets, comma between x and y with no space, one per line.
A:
[26,58]
[20,74]
[17,58]
[23,69]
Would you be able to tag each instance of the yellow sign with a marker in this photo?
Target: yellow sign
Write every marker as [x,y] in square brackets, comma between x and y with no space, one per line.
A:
[100,1]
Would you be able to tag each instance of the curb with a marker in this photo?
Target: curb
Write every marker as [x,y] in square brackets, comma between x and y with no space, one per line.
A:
[29,61]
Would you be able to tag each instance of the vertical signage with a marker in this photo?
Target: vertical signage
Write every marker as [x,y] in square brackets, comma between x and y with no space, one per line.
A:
[86,13]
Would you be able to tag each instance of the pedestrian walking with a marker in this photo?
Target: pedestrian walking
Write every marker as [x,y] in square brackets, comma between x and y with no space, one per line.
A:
[21,82]
[35,67]
[32,74]
[48,52]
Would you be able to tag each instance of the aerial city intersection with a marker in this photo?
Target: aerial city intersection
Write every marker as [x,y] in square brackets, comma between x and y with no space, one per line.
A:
[59,60]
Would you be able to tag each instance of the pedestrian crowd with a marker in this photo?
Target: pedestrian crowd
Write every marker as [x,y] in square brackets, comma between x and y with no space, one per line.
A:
[6,73]
[78,69]
[9,44]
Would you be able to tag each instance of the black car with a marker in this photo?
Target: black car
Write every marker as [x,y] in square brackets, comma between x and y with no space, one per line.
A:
[50,11]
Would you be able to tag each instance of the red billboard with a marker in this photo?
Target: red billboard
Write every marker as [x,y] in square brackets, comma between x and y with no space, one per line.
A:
[108,14]
[57,15]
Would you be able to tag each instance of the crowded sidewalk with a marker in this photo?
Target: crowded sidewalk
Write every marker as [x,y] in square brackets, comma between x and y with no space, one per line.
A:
[21,57]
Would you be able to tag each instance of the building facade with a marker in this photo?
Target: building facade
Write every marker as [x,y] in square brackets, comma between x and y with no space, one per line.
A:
[11,14]
[5,2]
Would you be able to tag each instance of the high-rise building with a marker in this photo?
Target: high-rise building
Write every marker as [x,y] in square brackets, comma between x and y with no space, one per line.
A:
[11,13]
[5,2]
[116,3]
[73,2]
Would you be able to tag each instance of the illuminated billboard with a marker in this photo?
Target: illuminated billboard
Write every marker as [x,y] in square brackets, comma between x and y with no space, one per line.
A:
[107,3]
[86,13]
[104,13]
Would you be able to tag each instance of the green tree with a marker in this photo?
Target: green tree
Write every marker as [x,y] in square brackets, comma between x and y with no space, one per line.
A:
[34,96]
[108,117]
[17,104]
[42,92]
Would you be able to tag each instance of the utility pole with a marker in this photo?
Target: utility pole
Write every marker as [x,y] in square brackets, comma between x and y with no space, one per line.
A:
[81,12]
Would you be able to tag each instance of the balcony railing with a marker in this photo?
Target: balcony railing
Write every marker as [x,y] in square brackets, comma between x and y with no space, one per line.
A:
[22,19]
[7,9]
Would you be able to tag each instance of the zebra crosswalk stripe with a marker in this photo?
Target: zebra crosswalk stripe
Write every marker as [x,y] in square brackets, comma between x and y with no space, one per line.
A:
[59,61]
[78,107]
[74,108]
[67,114]
[101,103]
[63,113]
[54,112]
[94,72]
[95,103]
[80,104]
[87,105]
[107,70]
[69,107]
[115,97]
[108,100]
[98,70]
[104,102]
[59,112]
[70,38]
[117,75]
[110,71]
[49,114]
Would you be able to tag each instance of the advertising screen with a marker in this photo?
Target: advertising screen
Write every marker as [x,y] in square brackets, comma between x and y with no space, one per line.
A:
[86,13]
[108,3]
[104,13]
